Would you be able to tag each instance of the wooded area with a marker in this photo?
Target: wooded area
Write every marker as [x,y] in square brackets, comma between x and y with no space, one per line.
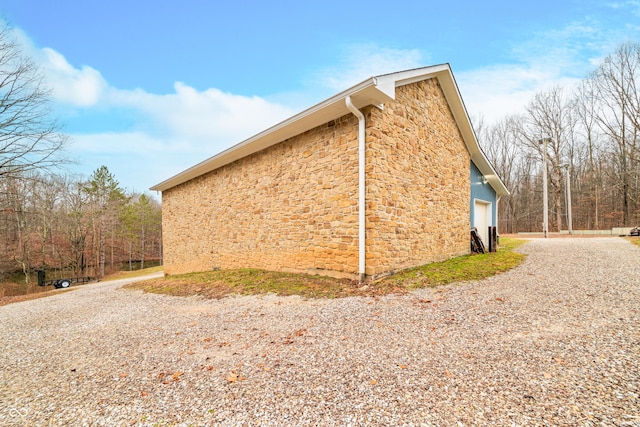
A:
[49,221]
[81,228]
[593,136]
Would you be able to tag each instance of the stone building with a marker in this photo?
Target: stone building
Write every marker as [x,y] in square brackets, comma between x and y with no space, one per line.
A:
[381,177]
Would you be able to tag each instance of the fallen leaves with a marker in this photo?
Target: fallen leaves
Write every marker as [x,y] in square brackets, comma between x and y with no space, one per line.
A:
[168,377]
[234,376]
[264,368]
[290,339]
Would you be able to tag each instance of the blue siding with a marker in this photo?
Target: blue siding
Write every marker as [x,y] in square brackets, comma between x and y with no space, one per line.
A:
[481,191]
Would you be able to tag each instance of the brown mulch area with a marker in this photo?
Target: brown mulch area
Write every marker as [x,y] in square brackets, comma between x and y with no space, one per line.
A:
[28,297]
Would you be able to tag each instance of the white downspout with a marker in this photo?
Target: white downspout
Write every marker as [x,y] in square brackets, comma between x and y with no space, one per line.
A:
[361,188]
[497,210]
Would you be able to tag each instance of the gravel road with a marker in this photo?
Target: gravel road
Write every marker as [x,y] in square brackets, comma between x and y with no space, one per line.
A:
[553,342]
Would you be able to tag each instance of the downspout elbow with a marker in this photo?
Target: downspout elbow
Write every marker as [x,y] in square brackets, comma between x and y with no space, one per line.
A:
[354,110]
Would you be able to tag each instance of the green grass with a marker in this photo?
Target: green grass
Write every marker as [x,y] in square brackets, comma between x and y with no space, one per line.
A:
[635,240]
[460,269]
[245,281]
[218,284]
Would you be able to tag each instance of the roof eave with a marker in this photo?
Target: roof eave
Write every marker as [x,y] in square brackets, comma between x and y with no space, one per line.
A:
[365,93]
[373,91]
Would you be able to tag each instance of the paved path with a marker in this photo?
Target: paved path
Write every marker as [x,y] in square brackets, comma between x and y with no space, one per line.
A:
[553,342]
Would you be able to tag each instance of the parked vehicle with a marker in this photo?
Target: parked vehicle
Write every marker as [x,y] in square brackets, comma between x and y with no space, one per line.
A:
[62,283]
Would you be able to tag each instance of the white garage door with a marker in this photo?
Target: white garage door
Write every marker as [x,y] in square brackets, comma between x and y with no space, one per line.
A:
[482,219]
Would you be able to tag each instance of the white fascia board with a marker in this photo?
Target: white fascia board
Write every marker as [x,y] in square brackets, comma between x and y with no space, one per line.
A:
[418,74]
[363,94]
[373,91]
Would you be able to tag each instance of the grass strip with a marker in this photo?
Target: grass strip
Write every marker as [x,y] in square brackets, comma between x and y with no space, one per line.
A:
[221,283]
[635,240]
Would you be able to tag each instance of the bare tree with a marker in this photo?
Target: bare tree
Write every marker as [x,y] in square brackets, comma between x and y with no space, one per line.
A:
[596,131]
[18,203]
[615,85]
[500,143]
[586,107]
[550,115]
[29,138]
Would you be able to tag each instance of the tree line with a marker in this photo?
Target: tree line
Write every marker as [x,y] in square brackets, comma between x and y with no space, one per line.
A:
[79,227]
[593,148]
[49,221]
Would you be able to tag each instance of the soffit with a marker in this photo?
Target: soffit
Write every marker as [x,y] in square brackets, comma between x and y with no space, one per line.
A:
[373,91]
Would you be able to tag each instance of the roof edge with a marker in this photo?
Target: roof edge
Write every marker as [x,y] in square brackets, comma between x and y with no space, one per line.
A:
[372,91]
[269,135]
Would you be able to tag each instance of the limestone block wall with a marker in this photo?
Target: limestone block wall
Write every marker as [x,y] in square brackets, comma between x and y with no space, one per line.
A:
[292,207]
[418,185]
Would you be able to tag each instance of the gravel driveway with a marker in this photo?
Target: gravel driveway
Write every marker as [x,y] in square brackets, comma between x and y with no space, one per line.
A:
[553,342]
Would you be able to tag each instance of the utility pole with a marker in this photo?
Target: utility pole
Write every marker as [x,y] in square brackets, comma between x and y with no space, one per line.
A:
[567,169]
[545,191]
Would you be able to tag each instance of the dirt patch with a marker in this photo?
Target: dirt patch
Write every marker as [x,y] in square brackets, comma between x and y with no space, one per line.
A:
[28,297]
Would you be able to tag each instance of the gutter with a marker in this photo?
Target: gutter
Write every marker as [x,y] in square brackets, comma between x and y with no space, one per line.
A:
[361,188]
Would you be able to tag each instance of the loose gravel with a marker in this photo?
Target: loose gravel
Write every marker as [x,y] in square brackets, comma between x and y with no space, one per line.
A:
[554,342]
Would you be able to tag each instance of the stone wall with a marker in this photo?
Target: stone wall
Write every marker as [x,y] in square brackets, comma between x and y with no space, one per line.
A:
[417,181]
[292,207]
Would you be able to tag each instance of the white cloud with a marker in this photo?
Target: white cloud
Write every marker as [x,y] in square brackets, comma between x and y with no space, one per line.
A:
[123,143]
[170,132]
[173,131]
[362,61]
[557,57]
[177,131]
[209,116]
[79,87]
[502,90]
[632,5]
[137,159]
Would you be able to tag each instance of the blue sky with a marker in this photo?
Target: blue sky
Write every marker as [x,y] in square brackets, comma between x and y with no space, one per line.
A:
[150,88]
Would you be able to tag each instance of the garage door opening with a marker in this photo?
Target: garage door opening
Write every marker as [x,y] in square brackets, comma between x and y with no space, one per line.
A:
[482,219]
